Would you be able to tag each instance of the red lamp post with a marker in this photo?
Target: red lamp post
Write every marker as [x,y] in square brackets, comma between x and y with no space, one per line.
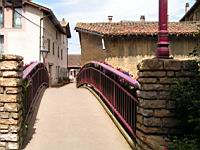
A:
[163,40]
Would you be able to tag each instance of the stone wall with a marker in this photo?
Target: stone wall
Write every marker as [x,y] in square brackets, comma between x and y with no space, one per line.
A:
[10,101]
[156,111]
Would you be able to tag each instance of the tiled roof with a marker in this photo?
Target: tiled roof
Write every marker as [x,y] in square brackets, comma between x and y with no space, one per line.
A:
[74,61]
[136,28]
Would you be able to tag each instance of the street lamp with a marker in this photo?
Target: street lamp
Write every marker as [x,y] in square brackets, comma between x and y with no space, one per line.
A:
[163,35]
[44,53]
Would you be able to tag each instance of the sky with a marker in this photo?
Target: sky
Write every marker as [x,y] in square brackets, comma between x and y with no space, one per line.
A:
[97,11]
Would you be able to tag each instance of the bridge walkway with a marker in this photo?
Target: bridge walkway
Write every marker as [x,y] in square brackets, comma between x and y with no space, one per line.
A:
[73,119]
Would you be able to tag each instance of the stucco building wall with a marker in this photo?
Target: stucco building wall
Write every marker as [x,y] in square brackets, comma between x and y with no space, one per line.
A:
[127,53]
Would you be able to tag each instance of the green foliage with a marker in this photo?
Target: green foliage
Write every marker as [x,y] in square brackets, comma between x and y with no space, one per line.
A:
[187,96]
[196,51]
[186,143]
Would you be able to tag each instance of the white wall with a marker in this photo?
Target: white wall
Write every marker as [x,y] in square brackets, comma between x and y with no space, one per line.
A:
[23,41]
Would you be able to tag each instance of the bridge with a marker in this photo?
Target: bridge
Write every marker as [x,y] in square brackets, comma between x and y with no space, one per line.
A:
[72,117]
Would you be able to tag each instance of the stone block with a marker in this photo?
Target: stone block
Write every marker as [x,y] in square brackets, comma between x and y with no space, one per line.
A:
[10,82]
[156,142]
[1,109]
[12,74]
[3,148]
[11,107]
[16,115]
[152,104]
[9,121]
[11,65]
[140,119]
[4,115]
[172,64]
[163,113]
[9,98]
[152,74]
[150,64]
[146,112]
[4,127]
[1,104]
[154,87]
[1,90]
[3,131]
[11,57]
[167,80]
[14,128]
[147,80]
[152,122]
[13,145]
[9,137]
[13,90]
[164,95]
[170,73]
[153,130]
[148,94]
[183,74]
[2,144]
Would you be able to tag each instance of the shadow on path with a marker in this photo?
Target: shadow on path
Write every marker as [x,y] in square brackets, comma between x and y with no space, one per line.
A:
[31,130]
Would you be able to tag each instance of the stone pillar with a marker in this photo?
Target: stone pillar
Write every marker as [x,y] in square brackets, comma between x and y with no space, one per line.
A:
[156,111]
[10,101]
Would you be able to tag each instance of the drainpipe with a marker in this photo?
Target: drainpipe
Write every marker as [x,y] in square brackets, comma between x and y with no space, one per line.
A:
[40,44]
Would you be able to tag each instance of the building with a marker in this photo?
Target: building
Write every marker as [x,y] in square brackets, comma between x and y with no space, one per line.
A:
[192,14]
[123,44]
[28,30]
[74,65]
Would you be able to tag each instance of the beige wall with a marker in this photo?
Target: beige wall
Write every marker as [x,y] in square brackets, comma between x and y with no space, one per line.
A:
[58,65]
[127,53]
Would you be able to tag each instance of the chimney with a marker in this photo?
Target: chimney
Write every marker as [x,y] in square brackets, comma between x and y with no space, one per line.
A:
[63,22]
[142,18]
[187,5]
[110,18]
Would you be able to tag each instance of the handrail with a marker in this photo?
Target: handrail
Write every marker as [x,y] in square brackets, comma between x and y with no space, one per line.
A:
[117,90]
[35,79]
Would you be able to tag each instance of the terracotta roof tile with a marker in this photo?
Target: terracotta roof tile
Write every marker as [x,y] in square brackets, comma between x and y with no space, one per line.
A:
[136,28]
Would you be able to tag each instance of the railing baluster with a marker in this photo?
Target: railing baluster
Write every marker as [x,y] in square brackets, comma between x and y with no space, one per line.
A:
[112,86]
[36,76]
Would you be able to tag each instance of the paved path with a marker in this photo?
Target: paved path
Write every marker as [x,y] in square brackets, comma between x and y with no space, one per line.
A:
[73,119]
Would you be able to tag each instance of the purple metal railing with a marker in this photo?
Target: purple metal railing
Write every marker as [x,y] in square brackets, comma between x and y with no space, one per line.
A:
[117,90]
[35,79]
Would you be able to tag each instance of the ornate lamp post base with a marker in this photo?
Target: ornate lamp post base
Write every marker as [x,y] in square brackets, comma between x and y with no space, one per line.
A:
[163,40]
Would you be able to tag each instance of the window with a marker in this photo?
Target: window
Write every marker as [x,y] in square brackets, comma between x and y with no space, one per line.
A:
[58,52]
[1,17]
[53,48]
[61,54]
[17,18]
[1,43]
[49,46]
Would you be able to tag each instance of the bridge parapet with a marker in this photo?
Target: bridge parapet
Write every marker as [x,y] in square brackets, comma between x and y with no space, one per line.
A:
[117,90]
[11,71]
